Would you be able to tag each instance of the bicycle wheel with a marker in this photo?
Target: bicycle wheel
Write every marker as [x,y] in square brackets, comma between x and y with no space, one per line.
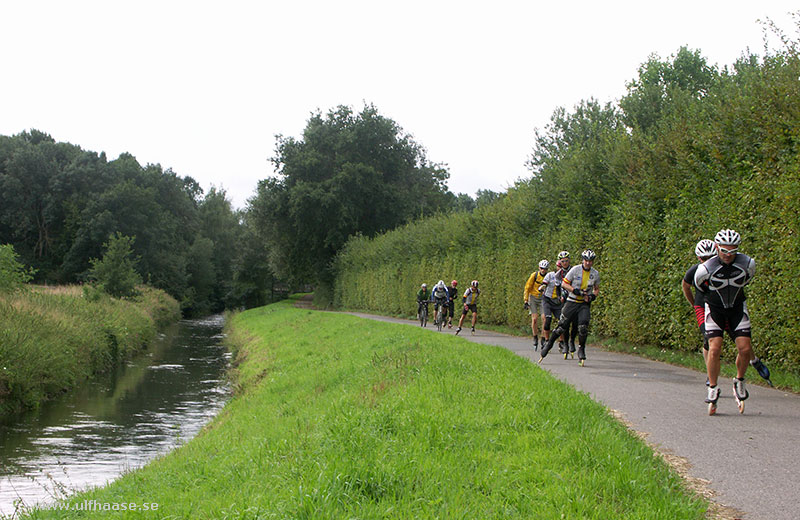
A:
[439,317]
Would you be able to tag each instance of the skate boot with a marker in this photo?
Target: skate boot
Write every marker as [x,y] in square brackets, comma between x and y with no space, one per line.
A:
[562,348]
[740,393]
[762,370]
[546,346]
[458,330]
[473,331]
[713,395]
[536,343]
[571,349]
[581,355]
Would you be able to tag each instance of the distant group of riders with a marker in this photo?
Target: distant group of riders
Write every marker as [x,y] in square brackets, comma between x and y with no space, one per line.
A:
[714,287]
[443,298]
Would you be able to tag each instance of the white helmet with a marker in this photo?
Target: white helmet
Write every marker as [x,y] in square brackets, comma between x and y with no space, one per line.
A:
[440,283]
[544,264]
[727,237]
[588,255]
[704,248]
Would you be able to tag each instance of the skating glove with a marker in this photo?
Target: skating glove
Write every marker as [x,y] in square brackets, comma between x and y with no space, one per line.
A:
[525,306]
[577,291]
[591,297]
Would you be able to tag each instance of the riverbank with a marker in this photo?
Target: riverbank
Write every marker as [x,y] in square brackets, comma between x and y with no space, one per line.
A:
[54,338]
[337,416]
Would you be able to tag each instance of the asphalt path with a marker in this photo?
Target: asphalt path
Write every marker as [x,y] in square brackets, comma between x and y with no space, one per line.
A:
[749,461]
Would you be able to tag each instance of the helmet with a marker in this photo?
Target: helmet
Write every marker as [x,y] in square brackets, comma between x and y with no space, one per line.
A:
[704,248]
[440,283]
[588,255]
[563,254]
[424,285]
[727,237]
[544,264]
[454,283]
[474,283]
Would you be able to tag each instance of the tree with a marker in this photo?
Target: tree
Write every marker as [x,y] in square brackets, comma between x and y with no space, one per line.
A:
[116,272]
[12,273]
[349,173]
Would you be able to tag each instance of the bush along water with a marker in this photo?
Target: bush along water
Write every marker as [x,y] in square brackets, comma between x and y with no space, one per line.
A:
[52,339]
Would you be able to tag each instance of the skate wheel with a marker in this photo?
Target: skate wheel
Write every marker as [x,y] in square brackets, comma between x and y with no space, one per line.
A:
[741,406]
[571,355]
[565,356]
[581,362]
[540,360]
[712,408]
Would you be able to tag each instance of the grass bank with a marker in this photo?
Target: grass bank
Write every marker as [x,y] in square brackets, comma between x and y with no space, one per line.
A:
[339,417]
[51,339]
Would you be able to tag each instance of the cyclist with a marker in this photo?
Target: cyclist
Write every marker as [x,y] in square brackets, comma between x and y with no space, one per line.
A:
[722,279]
[423,297]
[451,303]
[470,298]
[582,282]
[440,295]
[704,250]
[532,299]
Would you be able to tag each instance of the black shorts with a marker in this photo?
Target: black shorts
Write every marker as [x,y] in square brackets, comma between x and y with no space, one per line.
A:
[735,320]
[574,311]
[470,307]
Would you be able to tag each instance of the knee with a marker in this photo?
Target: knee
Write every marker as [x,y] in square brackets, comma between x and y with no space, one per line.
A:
[583,330]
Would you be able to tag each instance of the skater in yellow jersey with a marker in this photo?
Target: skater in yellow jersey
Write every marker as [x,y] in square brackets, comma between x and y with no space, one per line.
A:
[532,299]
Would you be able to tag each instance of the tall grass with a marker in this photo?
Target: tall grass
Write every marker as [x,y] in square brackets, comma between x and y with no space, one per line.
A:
[53,338]
[337,417]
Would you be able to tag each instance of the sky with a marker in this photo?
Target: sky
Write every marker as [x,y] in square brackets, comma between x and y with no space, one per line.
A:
[203,87]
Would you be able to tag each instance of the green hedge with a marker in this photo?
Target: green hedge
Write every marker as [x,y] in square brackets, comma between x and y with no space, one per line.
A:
[727,157]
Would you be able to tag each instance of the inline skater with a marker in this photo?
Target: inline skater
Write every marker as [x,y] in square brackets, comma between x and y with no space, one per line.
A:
[439,295]
[470,299]
[452,293]
[583,284]
[423,298]
[722,280]
[551,297]
[704,250]
[532,299]
[571,331]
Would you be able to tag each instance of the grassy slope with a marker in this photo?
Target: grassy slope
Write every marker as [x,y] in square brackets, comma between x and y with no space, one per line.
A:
[337,417]
[54,338]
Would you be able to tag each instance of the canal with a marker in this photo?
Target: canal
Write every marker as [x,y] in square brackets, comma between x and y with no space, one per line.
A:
[118,422]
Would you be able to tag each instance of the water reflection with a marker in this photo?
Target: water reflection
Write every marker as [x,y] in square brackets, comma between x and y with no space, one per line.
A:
[119,422]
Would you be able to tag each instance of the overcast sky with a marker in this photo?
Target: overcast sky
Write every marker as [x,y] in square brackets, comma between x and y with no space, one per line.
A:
[204,87]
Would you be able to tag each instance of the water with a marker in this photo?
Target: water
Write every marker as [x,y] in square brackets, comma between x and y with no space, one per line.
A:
[118,423]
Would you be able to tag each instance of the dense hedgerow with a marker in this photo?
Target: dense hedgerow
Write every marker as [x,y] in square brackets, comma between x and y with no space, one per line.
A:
[719,153]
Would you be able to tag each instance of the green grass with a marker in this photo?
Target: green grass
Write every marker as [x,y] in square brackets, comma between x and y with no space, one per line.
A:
[340,417]
[52,339]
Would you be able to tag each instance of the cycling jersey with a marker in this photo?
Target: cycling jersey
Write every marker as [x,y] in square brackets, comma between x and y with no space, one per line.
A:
[532,285]
[581,279]
[471,295]
[699,296]
[423,295]
[722,283]
[552,283]
[440,293]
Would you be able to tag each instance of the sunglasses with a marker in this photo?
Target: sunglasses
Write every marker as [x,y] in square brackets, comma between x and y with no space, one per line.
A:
[728,251]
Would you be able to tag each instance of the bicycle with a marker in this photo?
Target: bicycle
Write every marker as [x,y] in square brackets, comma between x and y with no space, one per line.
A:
[441,314]
[423,314]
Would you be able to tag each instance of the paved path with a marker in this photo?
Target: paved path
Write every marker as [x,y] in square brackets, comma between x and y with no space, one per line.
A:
[751,462]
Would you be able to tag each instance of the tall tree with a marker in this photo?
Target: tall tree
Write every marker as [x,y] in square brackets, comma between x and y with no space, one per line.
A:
[350,173]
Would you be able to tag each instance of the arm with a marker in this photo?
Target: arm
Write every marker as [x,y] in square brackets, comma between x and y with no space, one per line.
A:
[529,287]
[687,292]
